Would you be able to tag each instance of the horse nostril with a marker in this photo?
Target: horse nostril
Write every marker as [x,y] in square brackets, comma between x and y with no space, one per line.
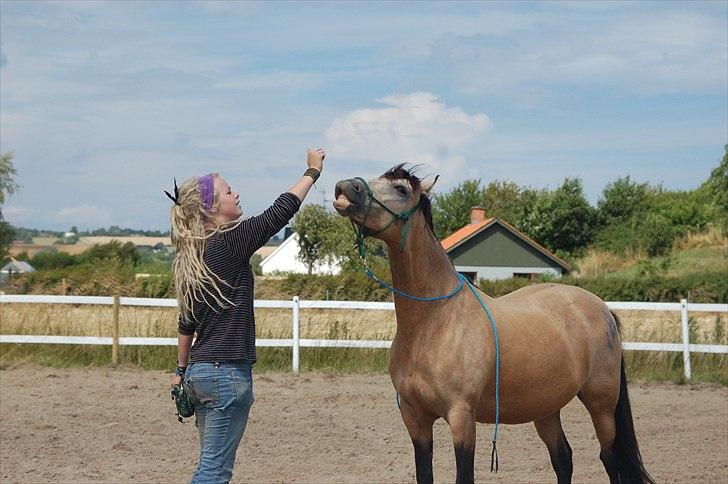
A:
[356,187]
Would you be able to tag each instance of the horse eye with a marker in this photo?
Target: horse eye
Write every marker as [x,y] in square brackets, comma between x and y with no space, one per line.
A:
[402,190]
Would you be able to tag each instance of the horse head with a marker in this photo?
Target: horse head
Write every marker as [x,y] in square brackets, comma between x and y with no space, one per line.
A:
[376,205]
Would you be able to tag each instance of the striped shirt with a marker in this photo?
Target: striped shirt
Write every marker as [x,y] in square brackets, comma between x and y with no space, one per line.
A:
[228,333]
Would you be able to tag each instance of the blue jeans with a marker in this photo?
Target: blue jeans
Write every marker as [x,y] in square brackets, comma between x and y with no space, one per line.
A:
[222,394]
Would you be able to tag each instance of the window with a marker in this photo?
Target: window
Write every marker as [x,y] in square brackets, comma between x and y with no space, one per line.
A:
[471,276]
[532,276]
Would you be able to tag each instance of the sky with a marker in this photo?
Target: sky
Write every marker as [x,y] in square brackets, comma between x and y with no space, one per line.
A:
[103,103]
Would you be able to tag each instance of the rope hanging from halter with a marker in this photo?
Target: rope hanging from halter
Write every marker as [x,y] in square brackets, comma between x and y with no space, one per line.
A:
[407,216]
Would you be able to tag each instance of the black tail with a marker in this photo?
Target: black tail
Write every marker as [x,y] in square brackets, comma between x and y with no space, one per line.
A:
[625,448]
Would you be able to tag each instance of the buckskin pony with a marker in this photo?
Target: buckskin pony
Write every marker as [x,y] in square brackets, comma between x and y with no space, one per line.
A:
[555,342]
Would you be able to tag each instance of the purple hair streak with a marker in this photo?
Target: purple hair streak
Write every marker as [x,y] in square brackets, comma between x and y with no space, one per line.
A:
[207,191]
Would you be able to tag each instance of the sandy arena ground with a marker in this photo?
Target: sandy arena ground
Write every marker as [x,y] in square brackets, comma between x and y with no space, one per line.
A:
[119,425]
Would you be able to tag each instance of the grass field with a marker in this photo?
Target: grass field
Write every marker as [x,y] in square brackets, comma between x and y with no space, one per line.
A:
[81,320]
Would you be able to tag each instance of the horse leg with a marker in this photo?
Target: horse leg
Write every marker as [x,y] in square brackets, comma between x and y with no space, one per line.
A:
[550,430]
[600,402]
[462,428]
[419,426]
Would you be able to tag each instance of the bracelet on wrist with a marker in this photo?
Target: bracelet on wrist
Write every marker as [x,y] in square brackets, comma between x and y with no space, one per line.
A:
[180,371]
[313,173]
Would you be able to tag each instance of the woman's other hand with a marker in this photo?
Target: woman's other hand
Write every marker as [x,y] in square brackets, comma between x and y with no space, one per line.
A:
[316,158]
[176,380]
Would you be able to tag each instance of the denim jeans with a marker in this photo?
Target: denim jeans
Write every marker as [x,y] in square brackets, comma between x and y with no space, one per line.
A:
[222,394]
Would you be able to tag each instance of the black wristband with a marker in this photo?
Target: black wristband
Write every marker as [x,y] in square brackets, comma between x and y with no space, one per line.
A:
[180,371]
[313,173]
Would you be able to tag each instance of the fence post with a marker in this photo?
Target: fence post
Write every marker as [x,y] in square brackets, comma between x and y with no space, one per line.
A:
[115,341]
[296,327]
[686,338]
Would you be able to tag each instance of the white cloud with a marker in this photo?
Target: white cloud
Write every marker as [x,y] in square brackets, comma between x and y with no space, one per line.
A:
[84,215]
[654,52]
[11,212]
[416,127]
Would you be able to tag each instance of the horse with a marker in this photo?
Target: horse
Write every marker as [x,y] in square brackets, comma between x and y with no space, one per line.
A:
[555,342]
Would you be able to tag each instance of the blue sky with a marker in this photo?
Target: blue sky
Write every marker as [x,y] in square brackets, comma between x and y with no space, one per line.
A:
[104,102]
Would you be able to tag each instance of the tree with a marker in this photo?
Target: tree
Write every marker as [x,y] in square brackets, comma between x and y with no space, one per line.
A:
[8,186]
[621,200]
[717,188]
[451,211]
[562,220]
[314,226]
[502,199]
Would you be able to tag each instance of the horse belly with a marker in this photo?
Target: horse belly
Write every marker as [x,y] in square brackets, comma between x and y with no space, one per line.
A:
[534,385]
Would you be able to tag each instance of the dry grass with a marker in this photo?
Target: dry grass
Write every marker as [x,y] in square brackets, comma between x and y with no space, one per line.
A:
[597,263]
[712,237]
[82,320]
[648,326]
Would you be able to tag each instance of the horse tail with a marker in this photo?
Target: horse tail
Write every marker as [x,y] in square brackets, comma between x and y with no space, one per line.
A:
[625,448]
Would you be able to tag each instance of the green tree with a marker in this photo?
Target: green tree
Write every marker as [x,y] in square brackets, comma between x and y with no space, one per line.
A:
[314,226]
[562,220]
[8,186]
[451,211]
[502,199]
[621,200]
[716,187]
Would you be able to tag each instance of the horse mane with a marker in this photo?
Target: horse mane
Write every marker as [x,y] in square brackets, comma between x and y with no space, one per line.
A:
[399,172]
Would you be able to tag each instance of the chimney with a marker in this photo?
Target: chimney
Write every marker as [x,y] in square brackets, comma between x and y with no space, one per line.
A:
[477,215]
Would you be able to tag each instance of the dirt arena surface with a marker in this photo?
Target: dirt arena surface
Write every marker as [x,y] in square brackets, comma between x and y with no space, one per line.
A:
[106,425]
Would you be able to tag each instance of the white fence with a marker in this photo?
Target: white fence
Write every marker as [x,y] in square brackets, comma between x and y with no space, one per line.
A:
[296,304]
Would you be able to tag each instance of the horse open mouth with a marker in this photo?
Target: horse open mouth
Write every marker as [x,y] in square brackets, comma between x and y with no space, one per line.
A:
[342,204]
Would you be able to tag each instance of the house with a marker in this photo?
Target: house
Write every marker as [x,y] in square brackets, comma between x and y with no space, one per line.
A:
[490,248]
[14,267]
[285,259]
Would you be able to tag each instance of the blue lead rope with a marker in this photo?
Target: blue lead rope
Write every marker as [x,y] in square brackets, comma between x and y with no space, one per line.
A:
[461,278]
[494,452]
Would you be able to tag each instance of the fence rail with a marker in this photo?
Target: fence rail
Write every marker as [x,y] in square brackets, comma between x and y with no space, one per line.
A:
[296,304]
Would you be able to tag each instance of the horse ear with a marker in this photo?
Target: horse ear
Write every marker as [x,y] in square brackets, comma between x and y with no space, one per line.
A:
[427,185]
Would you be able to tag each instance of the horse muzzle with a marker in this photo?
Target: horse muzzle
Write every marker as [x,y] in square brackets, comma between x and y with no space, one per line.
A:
[351,197]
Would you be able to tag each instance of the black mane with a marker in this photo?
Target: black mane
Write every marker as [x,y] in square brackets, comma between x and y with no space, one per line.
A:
[399,172]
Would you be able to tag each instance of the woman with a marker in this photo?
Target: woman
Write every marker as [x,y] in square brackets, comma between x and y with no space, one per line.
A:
[214,283]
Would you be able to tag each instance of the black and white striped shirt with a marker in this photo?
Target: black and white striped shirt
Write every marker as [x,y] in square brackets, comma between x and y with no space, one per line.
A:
[228,333]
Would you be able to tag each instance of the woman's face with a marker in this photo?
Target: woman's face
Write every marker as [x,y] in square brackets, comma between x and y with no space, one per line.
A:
[228,203]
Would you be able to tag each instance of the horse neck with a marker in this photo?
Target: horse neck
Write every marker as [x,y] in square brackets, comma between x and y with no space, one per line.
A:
[421,269]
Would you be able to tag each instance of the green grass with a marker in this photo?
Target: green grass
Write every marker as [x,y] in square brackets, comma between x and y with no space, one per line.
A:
[652,366]
[335,360]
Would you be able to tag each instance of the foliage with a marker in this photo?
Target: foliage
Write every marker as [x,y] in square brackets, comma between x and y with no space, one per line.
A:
[347,286]
[622,200]
[8,186]
[325,236]
[116,231]
[562,219]
[7,234]
[716,188]
[314,226]
[451,211]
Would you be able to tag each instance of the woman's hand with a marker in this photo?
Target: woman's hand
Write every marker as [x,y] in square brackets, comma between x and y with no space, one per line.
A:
[176,380]
[316,158]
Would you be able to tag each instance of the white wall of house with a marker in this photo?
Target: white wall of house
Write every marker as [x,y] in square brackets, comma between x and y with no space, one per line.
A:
[285,259]
[496,273]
